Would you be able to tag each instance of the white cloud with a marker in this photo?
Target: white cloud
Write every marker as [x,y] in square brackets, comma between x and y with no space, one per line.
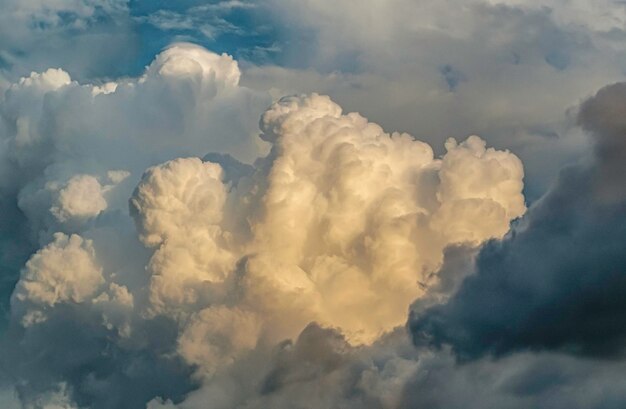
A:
[341,224]
[82,197]
[63,271]
[346,222]
[178,209]
[62,139]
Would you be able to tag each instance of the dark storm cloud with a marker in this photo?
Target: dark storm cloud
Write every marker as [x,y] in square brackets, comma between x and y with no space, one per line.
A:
[520,381]
[604,116]
[558,281]
[100,370]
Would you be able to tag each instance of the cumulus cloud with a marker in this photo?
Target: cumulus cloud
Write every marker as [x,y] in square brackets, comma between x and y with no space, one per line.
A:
[72,153]
[71,156]
[82,197]
[335,222]
[324,244]
[371,200]
[68,147]
[63,271]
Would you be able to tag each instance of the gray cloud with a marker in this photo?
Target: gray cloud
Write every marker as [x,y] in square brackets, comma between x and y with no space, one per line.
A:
[89,38]
[523,380]
[102,372]
[557,282]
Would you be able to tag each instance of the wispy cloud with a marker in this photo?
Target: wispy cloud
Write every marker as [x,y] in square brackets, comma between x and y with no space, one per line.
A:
[208,19]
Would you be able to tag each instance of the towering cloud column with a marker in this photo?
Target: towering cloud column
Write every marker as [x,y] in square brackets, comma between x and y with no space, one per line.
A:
[349,225]
[215,262]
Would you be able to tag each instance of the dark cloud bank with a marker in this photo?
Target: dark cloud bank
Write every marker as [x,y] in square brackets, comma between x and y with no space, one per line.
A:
[557,283]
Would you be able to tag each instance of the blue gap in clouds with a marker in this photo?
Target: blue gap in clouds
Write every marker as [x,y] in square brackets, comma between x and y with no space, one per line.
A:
[253,40]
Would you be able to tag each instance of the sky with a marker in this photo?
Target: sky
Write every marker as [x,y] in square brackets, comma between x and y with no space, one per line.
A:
[312,204]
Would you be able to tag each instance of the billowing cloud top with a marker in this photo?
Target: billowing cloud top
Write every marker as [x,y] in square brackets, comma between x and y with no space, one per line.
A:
[340,223]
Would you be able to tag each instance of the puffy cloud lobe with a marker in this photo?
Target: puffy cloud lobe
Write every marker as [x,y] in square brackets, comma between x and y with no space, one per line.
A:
[176,197]
[81,197]
[178,207]
[188,60]
[50,80]
[477,180]
[179,106]
[63,271]
[68,206]
[557,281]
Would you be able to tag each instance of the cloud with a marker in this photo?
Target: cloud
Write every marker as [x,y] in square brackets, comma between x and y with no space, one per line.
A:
[178,209]
[198,268]
[82,197]
[317,369]
[275,271]
[538,380]
[63,271]
[61,139]
[555,282]
[502,56]
[208,19]
[53,126]
[320,369]
[170,251]
[72,154]
[37,34]
[518,69]
[351,236]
